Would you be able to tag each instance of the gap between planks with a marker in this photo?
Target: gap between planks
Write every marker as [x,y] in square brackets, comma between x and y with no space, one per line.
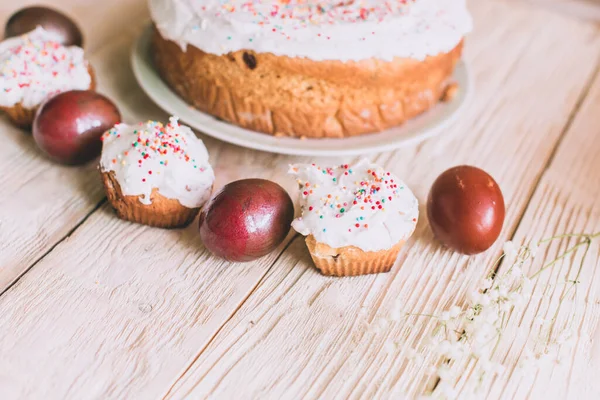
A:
[543,170]
[588,10]
[53,246]
[96,53]
[569,123]
[233,312]
[252,291]
[39,232]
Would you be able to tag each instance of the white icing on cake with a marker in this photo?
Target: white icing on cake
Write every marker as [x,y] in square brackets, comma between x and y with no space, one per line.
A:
[359,205]
[36,66]
[318,30]
[169,158]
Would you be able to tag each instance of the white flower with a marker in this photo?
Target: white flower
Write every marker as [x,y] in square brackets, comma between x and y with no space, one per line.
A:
[510,251]
[493,295]
[491,316]
[477,351]
[390,346]
[487,298]
[484,334]
[446,391]
[487,283]
[414,355]
[434,340]
[444,373]
[470,314]
[516,272]
[444,316]
[396,314]
[456,351]
[411,353]
[533,249]
[444,347]
[475,297]
[418,359]
[380,325]
[516,299]
[486,365]
[455,311]
[475,330]
[503,292]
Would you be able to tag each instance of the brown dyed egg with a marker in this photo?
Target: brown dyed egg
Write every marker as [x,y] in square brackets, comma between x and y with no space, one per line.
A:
[466,209]
[68,126]
[246,219]
[27,19]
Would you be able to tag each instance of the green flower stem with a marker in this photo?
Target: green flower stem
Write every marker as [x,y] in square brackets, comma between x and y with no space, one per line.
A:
[586,241]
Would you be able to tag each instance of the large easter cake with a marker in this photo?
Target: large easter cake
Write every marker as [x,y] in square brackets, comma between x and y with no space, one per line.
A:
[301,68]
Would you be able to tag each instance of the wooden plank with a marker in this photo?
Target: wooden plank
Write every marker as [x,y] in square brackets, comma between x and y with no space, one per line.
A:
[584,9]
[42,202]
[134,286]
[301,335]
[124,308]
[160,298]
[565,201]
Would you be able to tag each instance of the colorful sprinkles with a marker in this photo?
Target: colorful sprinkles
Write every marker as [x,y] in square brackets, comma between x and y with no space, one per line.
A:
[40,65]
[281,16]
[151,157]
[305,12]
[353,199]
[153,141]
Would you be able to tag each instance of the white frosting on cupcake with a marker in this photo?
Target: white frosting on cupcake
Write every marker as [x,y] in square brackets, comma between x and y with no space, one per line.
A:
[359,205]
[169,158]
[318,30]
[36,66]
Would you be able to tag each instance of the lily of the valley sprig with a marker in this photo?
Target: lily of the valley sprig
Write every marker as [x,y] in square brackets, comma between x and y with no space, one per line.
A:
[476,331]
[471,334]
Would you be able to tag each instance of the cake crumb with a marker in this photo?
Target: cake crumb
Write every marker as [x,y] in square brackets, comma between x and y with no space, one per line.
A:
[450,92]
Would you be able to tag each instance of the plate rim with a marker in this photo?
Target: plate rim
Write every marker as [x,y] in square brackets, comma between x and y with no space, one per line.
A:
[140,60]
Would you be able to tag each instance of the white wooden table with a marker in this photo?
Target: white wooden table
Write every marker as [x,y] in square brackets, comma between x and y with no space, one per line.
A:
[92,307]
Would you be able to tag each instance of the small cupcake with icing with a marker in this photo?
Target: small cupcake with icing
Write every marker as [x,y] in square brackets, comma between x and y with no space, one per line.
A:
[156,174]
[35,67]
[355,217]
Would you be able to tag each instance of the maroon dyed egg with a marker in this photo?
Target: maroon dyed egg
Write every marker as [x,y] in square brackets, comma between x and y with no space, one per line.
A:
[466,209]
[246,219]
[27,19]
[68,127]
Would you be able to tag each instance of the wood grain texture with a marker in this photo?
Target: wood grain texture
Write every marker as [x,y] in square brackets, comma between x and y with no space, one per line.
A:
[301,335]
[119,309]
[29,227]
[125,292]
[122,311]
[583,9]
[565,201]
[40,202]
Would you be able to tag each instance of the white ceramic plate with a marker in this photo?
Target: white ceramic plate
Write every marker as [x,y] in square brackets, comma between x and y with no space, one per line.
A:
[423,127]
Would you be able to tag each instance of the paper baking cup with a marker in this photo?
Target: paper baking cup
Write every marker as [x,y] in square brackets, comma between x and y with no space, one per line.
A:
[20,116]
[161,212]
[350,260]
